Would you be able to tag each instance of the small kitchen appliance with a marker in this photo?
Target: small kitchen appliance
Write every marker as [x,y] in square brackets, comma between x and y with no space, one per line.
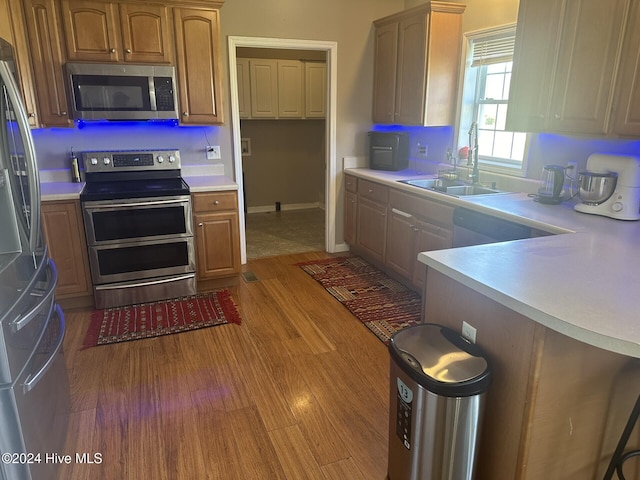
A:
[624,202]
[550,190]
[388,150]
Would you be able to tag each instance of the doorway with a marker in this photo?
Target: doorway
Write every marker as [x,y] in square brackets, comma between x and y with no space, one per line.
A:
[329,51]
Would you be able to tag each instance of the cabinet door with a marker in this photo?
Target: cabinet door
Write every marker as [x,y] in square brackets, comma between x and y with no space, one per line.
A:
[290,89]
[91,31]
[429,237]
[47,58]
[372,228]
[350,217]
[412,66]
[244,87]
[401,239]
[64,234]
[198,65]
[315,91]
[384,73]
[146,34]
[627,109]
[587,61]
[217,244]
[264,88]
[12,30]
[534,59]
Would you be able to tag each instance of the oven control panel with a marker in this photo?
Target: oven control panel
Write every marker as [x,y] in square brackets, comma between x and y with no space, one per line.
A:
[131,160]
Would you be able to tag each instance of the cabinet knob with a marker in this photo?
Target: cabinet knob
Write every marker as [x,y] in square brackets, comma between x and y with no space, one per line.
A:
[200,224]
[185,114]
[128,50]
[370,190]
[32,115]
[216,202]
[556,116]
[63,114]
[112,50]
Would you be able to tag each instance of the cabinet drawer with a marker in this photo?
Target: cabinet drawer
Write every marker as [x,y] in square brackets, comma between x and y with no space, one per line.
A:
[350,183]
[421,207]
[212,202]
[373,191]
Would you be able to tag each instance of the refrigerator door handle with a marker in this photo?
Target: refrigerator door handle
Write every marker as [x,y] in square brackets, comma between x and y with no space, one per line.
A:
[32,380]
[24,318]
[29,153]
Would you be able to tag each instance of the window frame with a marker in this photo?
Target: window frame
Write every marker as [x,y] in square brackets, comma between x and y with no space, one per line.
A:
[468,108]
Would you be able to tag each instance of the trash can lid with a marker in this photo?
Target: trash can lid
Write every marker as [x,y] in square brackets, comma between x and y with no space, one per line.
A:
[441,360]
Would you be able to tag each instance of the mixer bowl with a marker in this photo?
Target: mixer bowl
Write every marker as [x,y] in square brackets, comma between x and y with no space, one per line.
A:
[596,188]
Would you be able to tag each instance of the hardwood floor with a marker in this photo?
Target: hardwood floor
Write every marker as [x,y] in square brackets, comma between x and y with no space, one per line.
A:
[298,391]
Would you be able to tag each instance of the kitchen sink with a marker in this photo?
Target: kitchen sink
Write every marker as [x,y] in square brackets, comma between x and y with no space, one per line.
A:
[461,190]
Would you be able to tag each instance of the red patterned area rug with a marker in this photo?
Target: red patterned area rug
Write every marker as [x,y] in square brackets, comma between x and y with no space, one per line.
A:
[381,303]
[146,320]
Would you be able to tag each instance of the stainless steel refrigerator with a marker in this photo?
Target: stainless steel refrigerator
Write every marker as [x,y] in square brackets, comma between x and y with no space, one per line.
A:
[34,388]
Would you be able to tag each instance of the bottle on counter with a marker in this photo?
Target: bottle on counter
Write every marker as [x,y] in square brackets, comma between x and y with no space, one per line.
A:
[75,169]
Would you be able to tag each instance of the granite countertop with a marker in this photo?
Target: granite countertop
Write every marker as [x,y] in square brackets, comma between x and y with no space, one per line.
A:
[583,282]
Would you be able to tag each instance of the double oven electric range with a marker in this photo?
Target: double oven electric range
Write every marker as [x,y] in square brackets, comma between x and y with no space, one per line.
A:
[137,219]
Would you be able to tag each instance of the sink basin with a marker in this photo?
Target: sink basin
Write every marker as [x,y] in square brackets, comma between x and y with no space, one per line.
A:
[464,190]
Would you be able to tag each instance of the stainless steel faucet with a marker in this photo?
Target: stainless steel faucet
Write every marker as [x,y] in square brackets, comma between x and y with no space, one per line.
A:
[472,159]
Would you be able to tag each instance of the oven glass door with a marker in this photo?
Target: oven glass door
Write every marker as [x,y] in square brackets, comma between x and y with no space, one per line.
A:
[141,260]
[134,220]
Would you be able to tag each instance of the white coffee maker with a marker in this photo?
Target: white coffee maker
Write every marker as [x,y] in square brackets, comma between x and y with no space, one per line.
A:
[624,202]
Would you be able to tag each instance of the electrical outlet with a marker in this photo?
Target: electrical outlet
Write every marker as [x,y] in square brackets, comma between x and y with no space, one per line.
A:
[423,150]
[213,152]
[468,332]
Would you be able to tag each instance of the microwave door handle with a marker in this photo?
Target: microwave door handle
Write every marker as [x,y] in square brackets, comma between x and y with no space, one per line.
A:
[29,153]
[386,149]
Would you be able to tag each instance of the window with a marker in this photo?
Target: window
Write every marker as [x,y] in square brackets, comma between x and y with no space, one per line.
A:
[485,97]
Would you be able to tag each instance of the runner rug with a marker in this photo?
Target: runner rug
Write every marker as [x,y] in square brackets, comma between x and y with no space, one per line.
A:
[381,303]
[135,322]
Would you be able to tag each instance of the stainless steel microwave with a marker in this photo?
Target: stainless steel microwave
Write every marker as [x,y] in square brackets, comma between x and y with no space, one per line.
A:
[122,92]
[388,150]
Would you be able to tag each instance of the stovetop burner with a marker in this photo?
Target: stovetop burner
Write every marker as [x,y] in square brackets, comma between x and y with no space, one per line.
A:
[120,189]
[117,175]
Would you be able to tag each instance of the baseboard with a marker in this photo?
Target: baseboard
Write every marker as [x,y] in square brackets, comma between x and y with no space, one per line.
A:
[290,206]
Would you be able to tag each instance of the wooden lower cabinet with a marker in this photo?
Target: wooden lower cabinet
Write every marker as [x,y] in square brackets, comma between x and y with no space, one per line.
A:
[64,233]
[350,217]
[429,237]
[372,228]
[217,234]
[401,242]
[556,407]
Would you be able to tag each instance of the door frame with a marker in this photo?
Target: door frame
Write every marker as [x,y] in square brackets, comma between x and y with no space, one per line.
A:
[331,49]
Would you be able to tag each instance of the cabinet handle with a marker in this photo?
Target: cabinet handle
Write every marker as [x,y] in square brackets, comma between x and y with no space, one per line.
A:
[370,190]
[32,115]
[185,114]
[63,114]
[128,50]
[216,202]
[200,224]
[113,50]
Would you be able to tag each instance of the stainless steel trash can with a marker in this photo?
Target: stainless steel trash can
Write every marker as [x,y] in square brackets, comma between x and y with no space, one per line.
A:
[437,388]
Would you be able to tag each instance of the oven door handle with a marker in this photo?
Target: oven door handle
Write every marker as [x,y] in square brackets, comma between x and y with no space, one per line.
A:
[121,286]
[114,206]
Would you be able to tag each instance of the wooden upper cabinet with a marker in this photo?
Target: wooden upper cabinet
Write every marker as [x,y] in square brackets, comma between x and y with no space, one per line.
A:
[417,60]
[198,65]
[565,65]
[264,88]
[315,89]
[626,119]
[47,59]
[290,89]
[111,32]
[12,30]
[244,87]
[146,36]
[586,65]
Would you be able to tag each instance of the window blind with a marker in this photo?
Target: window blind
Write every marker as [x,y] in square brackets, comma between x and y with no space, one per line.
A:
[497,49]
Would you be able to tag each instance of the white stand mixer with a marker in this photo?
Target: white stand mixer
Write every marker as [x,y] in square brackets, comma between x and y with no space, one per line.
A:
[624,203]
